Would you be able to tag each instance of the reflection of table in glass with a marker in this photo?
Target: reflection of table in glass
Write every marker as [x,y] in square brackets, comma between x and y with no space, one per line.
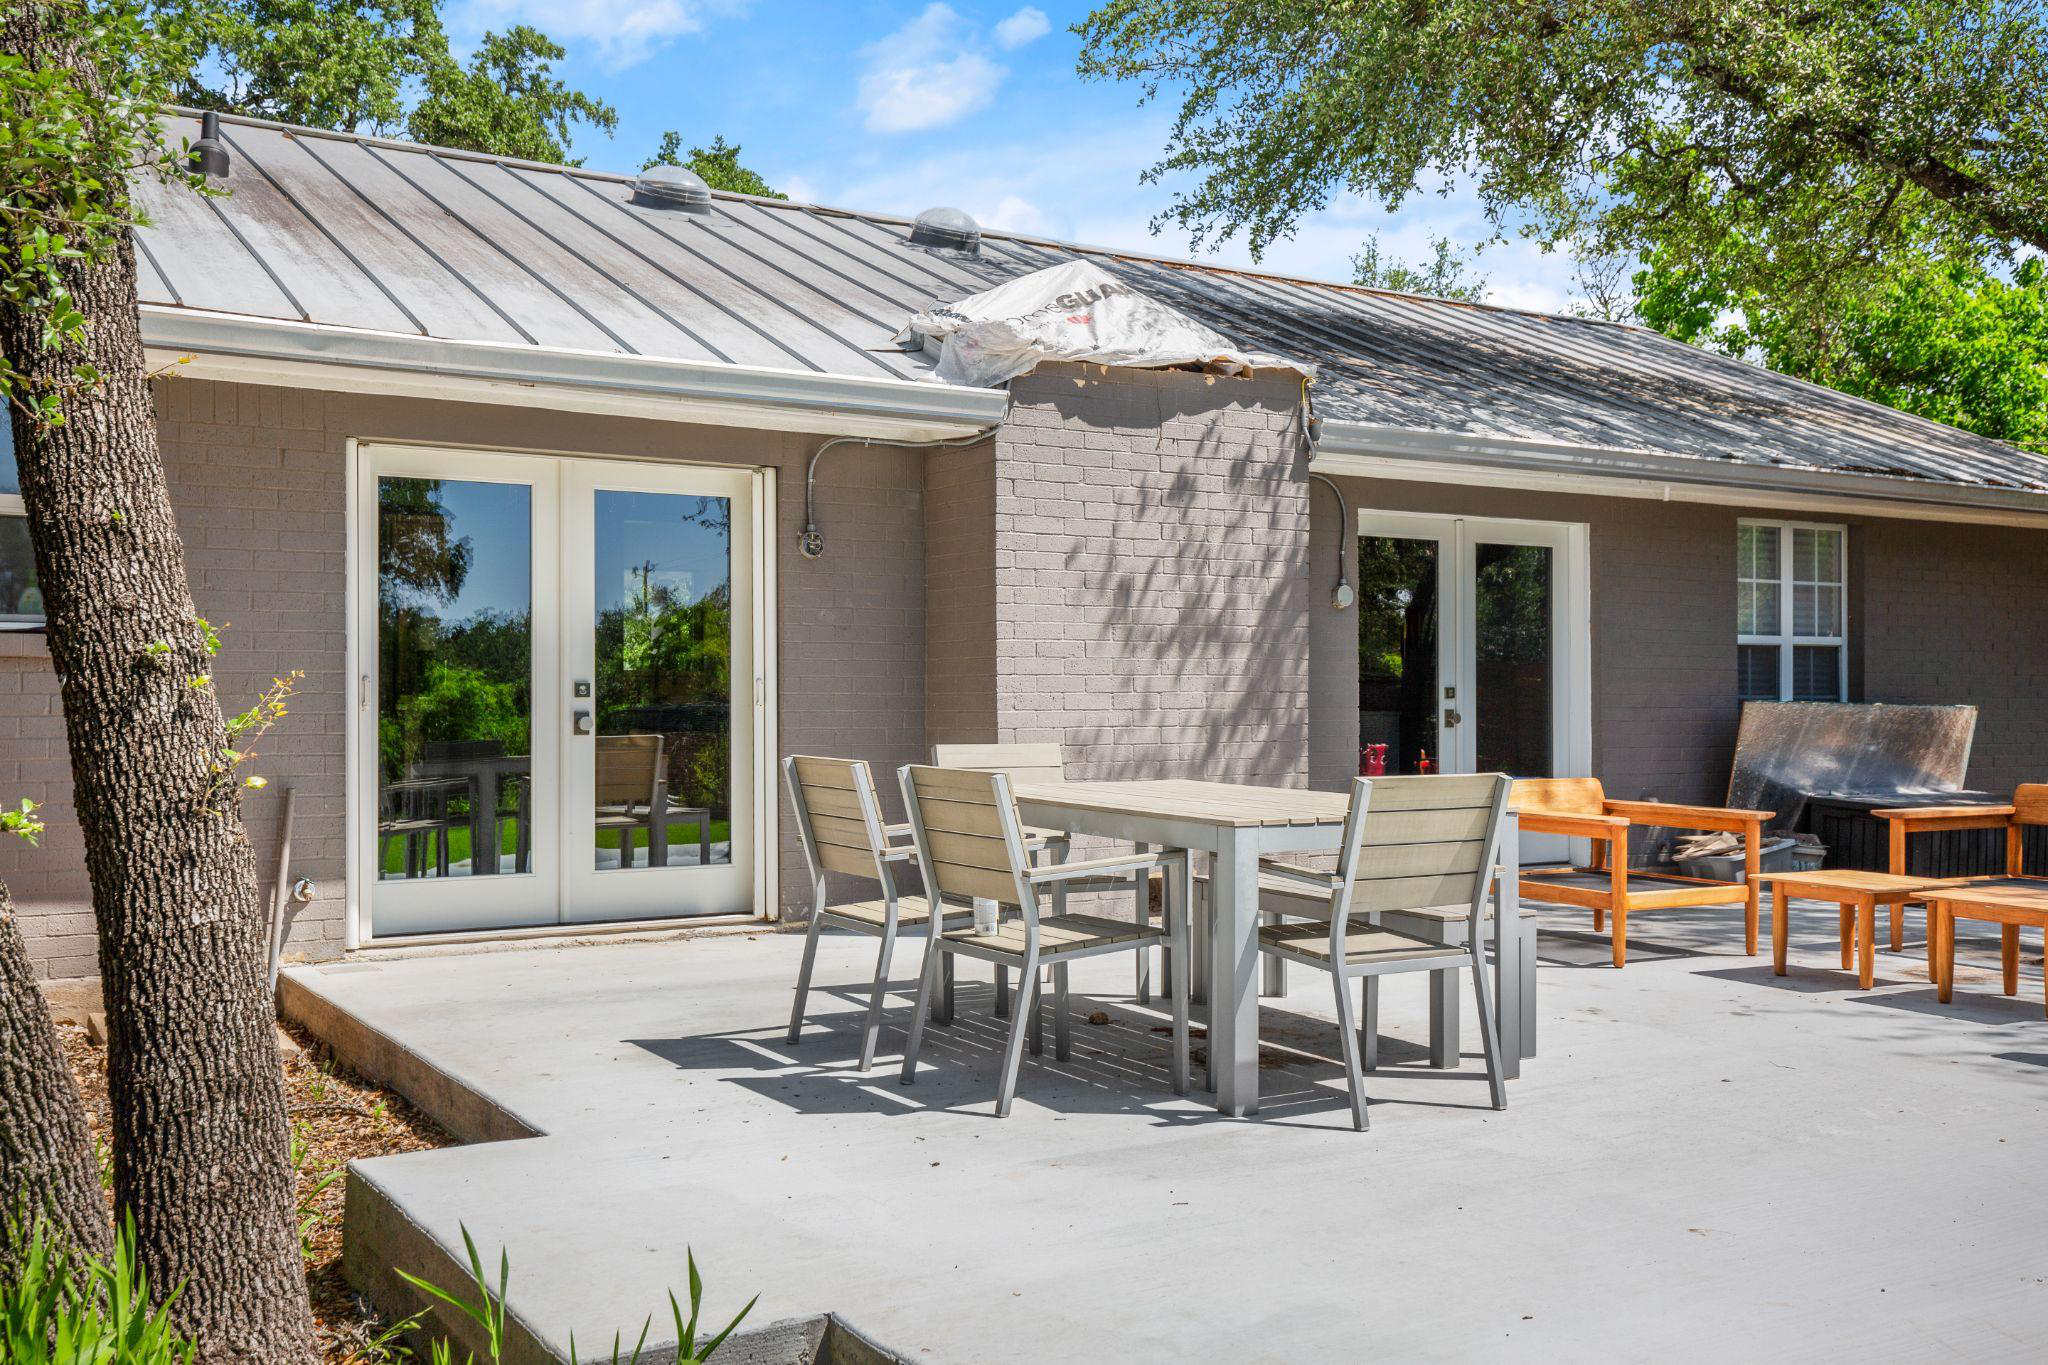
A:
[487,775]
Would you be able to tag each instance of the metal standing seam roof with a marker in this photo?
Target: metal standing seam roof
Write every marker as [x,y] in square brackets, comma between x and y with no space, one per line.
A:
[391,237]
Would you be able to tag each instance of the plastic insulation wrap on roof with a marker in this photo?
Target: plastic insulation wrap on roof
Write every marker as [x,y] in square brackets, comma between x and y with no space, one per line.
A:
[1076,311]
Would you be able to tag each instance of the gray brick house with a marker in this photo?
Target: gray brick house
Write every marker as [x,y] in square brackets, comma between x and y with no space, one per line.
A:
[514,464]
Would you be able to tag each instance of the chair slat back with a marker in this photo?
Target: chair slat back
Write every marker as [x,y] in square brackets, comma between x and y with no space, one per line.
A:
[2030,803]
[1020,762]
[838,819]
[1423,842]
[628,767]
[1559,796]
[967,831]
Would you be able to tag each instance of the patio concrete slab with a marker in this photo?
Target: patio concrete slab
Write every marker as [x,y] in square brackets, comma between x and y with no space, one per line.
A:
[1705,1161]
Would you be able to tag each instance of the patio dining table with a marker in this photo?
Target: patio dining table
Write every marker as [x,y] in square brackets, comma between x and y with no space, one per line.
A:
[1235,825]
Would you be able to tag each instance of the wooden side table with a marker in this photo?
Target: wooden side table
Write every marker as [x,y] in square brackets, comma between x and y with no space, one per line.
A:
[2009,908]
[1858,894]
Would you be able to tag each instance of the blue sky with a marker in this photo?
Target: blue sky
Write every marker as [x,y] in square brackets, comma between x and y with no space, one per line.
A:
[900,107]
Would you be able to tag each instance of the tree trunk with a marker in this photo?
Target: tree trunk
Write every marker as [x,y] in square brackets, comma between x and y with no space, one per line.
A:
[46,1161]
[200,1139]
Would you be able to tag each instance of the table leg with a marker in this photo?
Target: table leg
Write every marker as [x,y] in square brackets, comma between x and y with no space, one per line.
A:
[1848,934]
[1779,929]
[2009,956]
[1866,941]
[1508,948]
[483,825]
[1233,973]
[1898,926]
[1945,988]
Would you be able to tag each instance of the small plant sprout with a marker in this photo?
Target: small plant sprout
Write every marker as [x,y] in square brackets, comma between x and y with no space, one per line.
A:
[22,822]
[488,1312]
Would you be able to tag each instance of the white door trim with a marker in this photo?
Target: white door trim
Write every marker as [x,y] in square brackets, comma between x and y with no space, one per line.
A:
[1572,640]
[360,466]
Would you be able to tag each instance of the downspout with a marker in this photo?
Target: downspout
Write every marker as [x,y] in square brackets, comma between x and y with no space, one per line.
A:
[811,543]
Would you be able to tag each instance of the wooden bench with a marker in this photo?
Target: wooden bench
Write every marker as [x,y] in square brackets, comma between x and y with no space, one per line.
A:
[1578,808]
[2029,807]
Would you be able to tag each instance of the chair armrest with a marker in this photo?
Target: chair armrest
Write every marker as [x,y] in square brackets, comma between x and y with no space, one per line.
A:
[1992,816]
[1606,827]
[1131,863]
[1307,877]
[1664,815]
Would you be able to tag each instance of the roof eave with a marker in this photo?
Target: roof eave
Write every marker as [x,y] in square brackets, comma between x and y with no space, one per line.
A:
[230,347]
[1506,461]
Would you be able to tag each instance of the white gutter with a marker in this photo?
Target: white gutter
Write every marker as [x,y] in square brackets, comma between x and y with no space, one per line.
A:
[251,350]
[1367,450]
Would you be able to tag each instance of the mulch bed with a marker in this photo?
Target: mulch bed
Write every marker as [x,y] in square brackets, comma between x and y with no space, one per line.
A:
[336,1117]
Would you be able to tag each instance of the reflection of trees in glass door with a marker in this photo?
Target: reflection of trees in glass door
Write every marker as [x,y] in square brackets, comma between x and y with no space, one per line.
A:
[558,690]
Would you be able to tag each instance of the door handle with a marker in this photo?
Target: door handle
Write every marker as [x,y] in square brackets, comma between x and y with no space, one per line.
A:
[580,723]
[1452,718]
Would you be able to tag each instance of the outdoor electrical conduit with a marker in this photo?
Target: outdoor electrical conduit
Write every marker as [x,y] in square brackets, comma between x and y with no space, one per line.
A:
[812,542]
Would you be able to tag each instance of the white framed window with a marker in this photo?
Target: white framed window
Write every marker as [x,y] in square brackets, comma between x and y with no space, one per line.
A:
[1791,611]
[21,601]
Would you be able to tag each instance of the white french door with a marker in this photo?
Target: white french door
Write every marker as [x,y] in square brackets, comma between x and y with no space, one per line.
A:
[1473,648]
[558,692]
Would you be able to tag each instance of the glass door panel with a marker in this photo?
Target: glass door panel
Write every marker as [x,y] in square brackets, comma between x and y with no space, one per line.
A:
[663,702]
[659,682]
[1513,687]
[1401,652]
[461,832]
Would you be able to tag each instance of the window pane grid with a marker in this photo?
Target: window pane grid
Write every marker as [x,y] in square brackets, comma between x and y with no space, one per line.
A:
[1791,609]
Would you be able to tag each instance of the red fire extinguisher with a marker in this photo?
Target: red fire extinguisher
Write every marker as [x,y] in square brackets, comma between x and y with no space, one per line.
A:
[1375,761]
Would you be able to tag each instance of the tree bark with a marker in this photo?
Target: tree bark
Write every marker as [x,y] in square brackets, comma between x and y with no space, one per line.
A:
[201,1156]
[46,1161]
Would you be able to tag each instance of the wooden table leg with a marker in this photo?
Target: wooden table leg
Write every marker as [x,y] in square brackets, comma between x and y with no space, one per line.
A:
[2009,956]
[1946,926]
[1933,945]
[1848,933]
[1778,929]
[1866,941]
[1898,926]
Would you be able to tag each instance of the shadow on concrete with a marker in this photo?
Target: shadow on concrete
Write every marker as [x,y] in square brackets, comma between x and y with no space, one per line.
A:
[1118,1067]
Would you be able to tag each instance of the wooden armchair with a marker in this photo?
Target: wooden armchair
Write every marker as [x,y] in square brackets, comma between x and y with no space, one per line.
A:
[2029,807]
[1578,808]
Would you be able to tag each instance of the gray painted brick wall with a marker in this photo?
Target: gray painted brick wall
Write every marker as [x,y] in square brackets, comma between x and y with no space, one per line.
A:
[1937,613]
[1151,539]
[257,476]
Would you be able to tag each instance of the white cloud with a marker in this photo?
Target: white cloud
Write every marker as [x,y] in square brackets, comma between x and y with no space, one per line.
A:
[1014,213]
[619,33]
[927,74]
[1027,25]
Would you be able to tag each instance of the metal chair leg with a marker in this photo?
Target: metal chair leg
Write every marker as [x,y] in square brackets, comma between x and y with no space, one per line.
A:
[1142,912]
[1347,1031]
[1002,992]
[946,973]
[1062,1016]
[1369,1025]
[872,1030]
[803,976]
[1030,999]
[917,1013]
[1528,997]
[1274,982]
[1443,1020]
[1489,1036]
[1175,961]
[1013,1048]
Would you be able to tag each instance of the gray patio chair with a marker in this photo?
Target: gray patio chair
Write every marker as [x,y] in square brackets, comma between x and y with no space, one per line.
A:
[1429,843]
[1036,763]
[970,843]
[632,795]
[839,822]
